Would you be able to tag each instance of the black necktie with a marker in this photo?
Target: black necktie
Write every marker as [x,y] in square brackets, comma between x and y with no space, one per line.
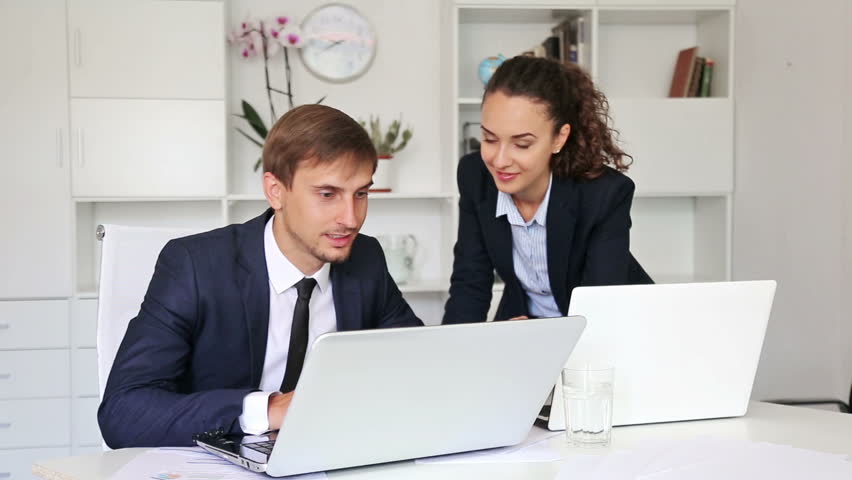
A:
[298,335]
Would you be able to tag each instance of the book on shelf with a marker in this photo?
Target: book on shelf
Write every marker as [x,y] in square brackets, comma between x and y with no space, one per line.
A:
[707,78]
[695,78]
[693,75]
[536,51]
[551,47]
[572,36]
[682,76]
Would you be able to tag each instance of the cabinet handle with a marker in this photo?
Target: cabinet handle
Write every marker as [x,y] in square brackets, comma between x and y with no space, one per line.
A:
[59,143]
[5,475]
[80,160]
[78,48]
[5,425]
[4,326]
[5,376]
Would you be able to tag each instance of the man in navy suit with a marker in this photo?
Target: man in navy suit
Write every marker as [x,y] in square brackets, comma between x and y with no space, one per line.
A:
[229,313]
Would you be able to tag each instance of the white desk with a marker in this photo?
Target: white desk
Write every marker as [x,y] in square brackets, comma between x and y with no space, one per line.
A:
[797,426]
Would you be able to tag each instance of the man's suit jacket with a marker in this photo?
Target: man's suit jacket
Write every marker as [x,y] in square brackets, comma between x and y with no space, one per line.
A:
[197,346]
[588,242]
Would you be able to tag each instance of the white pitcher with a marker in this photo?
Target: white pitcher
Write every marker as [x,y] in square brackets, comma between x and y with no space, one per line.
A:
[399,252]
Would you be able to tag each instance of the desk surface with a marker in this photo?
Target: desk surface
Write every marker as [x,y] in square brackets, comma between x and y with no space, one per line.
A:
[797,426]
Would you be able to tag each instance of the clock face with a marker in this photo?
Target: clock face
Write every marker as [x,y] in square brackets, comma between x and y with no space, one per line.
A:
[339,43]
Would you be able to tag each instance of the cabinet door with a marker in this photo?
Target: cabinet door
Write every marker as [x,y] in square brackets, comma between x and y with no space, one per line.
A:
[680,146]
[147,49]
[34,374]
[84,421]
[34,203]
[18,464]
[148,148]
[33,324]
[35,423]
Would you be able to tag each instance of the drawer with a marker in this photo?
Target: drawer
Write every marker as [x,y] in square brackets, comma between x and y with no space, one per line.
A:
[84,422]
[34,374]
[84,322]
[38,324]
[35,423]
[18,464]
[84,372]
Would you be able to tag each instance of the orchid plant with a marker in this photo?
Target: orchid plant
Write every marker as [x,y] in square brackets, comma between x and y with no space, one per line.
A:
[266,39]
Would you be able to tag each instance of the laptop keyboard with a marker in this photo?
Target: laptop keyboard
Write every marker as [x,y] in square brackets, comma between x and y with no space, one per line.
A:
[262,447]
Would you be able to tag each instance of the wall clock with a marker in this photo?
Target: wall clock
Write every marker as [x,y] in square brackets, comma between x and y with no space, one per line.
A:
[339,43]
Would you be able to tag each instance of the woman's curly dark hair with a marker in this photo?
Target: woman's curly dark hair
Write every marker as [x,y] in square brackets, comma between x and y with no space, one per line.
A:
[570,97]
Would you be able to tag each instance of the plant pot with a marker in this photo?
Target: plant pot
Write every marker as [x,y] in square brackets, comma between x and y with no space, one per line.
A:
[384,175]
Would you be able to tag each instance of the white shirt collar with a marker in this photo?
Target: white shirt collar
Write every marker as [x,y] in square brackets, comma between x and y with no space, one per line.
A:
[506,206]
[282,273]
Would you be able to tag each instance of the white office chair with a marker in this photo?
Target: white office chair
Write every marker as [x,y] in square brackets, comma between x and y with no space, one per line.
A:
[128,256]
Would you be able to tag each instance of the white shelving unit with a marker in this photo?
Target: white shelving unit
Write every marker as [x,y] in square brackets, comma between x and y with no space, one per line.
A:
[683,148]
[103,152]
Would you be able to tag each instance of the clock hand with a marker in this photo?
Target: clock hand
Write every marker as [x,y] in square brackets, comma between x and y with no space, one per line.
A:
[336,42]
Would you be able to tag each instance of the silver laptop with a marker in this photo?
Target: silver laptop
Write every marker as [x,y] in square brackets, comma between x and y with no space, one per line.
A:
[680,351]
[378,396]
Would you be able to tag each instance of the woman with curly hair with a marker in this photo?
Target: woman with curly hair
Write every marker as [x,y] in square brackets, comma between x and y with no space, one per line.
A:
[544,203]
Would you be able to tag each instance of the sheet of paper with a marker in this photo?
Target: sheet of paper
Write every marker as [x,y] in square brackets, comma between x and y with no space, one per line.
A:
[708,458]
[532,449]
[190,464]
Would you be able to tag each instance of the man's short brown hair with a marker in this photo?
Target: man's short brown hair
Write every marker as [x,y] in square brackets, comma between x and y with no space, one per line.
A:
[315,133]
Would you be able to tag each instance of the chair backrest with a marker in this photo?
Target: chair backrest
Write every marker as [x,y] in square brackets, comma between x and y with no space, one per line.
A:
[128,256]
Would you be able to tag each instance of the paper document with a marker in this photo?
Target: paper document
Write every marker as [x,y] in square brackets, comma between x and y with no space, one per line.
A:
[532,449]
[191,463]
[708,458]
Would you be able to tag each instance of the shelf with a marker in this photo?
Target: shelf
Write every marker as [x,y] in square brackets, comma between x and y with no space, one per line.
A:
[674,278]
[249,197]
[436,286]
[86,294]
[429,286]
[512,14]
[476,101]
[684,194]
[144,199]
[658,15]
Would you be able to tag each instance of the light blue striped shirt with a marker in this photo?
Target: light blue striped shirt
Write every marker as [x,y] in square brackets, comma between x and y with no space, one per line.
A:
[529,253]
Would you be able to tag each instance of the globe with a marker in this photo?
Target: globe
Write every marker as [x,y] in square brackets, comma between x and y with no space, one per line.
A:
[487,67]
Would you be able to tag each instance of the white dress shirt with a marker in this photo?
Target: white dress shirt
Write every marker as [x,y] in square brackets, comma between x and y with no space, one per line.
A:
[283,277]
[529,253]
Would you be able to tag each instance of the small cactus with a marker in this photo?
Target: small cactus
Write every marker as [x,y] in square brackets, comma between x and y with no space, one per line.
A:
[387,143]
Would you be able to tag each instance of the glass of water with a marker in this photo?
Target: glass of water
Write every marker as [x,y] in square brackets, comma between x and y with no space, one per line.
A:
[587,397]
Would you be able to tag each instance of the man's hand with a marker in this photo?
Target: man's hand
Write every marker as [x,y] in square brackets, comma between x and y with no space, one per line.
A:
[277,409]
[522,317]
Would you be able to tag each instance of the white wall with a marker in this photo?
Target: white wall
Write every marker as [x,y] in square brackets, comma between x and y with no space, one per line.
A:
[793,202]
[404,78]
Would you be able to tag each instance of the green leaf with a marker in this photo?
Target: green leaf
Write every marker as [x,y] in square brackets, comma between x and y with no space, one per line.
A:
[251,116]
[258,163]
[321,99]
[251,139]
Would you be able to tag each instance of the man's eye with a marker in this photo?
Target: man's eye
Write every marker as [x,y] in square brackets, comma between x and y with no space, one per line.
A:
[361,194]
[326,194]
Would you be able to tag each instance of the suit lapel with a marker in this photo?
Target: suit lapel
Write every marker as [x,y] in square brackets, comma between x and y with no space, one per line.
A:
[497,233]
[346,291]
[561,219]
[253,281]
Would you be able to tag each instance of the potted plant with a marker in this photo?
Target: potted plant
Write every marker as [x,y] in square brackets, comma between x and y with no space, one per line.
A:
[266,38]
[387,144]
